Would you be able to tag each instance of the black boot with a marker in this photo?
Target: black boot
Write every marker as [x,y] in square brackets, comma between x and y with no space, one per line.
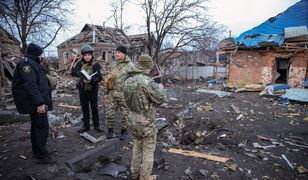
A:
[83,129]
[123,134]
[110,133]
[98,129]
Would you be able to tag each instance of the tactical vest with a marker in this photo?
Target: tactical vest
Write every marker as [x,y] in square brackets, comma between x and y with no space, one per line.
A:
[88,67]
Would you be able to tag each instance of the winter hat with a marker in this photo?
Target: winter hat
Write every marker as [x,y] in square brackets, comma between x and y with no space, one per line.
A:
[34,50]
[146,62]
[122,49]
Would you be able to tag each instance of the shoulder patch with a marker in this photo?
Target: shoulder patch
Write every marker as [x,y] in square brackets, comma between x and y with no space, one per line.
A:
[26,69]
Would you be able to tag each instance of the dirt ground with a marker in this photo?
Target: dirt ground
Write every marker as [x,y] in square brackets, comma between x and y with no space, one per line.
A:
[254,139]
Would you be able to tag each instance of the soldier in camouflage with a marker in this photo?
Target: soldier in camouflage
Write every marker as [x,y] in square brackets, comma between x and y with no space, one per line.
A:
[141,95]
[118,72]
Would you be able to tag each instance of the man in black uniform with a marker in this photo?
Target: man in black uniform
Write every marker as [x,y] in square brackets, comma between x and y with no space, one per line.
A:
[32,95]
[88,88]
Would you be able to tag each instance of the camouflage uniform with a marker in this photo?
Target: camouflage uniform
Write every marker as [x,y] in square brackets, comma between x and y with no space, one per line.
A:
[141,94]
[116,96]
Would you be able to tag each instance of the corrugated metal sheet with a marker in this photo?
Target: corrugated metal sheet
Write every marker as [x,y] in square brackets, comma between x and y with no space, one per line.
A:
[296,94]
[272,30]
[291,32]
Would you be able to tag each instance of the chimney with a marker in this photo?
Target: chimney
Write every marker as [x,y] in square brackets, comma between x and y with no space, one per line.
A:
[93,37]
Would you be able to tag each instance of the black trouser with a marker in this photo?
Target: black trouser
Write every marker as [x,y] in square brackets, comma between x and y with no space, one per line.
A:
[39,132]
[86,98]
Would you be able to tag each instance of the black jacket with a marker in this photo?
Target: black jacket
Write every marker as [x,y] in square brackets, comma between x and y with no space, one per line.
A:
[30,86]
[96,69]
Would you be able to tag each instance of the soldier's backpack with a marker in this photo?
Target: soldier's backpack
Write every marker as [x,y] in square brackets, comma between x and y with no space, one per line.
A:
[138,95]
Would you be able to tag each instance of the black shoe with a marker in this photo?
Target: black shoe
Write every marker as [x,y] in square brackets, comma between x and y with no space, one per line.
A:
[81,130]
[110,133]
[98,129]
[41,155]
[123,134]
[45,160]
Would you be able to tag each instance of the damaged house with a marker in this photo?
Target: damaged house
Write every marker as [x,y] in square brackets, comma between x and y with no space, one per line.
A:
[10,53]
[104,40]
[276,51]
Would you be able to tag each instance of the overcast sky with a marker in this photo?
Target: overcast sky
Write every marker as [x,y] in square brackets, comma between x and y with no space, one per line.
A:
[236,15]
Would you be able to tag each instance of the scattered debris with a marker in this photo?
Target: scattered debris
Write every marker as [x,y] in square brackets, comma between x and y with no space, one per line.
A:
[285,158]
[262,138]
[161,123]
[218,93]
[22,156]
[235,109]
[296,94]
[239,117]
[91,138]
[112,169]
[173,99]
[204,172]
[204,108]
[232,167]
[302,170]
[197,154]
[257,145]
[68,106]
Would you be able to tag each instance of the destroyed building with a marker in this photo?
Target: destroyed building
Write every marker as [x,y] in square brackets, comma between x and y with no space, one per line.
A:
[10,54]
[104,40]
[276,51]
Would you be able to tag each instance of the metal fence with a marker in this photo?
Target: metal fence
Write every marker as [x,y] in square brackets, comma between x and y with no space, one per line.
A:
[195,72]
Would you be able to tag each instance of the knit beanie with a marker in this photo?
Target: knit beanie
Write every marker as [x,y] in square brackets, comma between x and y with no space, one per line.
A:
[122,49]
[146,62]
[34,50]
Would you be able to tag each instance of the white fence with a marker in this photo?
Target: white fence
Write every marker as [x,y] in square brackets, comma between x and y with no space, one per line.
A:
[195,72]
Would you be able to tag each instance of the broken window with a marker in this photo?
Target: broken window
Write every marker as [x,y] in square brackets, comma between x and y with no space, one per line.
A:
[104,55]
[282,67]
[65,57]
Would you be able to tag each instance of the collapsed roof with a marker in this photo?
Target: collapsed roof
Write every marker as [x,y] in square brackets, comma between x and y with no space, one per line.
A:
[289,24]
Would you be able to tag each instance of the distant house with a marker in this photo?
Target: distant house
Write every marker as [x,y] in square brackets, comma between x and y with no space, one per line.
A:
[104,40]
[276,51]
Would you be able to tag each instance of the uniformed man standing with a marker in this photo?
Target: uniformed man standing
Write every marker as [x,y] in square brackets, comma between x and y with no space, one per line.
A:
[32,95]
[116,102]
[88,88]
[142,94]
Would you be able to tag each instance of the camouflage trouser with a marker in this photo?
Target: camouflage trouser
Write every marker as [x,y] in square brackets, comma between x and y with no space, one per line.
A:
[143,156]
[116,104]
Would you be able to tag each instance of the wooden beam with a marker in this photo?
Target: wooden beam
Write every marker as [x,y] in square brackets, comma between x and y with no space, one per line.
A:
[88,158]
[198,154]
[1,76]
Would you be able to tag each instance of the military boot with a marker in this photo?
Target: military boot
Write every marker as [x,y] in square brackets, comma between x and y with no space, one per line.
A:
[123,134]
[110,133]
[151,177]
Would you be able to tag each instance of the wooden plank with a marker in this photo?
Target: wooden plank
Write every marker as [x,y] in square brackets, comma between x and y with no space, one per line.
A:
[68,106]
[236,109]
[198,154]
[1,76]
[8,67]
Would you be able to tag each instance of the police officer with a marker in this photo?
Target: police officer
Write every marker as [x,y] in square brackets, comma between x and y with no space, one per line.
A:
[88,88]
[32,95]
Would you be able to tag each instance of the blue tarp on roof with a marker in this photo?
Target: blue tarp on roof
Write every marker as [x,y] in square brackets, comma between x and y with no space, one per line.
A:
[271,31]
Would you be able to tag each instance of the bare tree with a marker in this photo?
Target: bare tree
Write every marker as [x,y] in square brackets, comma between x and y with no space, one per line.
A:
[117,8]
[185,23]
[35,20]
